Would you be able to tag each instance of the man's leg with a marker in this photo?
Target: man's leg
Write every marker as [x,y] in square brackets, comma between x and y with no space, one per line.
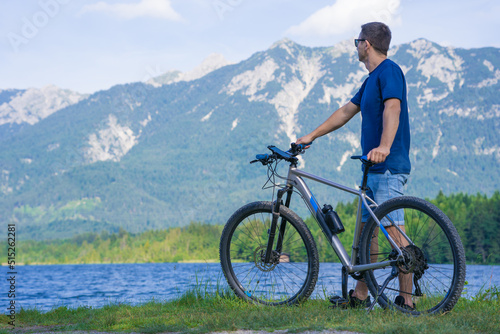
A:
[405,280]
[361,289]
[382,188]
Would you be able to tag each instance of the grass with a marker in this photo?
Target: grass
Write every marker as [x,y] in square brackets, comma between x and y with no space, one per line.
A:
[199,311]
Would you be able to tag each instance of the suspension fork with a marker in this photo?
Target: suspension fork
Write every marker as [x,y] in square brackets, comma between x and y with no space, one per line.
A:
[274,223]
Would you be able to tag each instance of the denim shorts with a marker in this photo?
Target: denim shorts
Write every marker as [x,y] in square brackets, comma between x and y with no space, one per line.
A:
[383,187]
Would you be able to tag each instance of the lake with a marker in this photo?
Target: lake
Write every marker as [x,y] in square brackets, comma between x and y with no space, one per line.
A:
[47,286]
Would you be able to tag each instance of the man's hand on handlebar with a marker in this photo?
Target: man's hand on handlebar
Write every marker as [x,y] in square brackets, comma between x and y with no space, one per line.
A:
[307,139]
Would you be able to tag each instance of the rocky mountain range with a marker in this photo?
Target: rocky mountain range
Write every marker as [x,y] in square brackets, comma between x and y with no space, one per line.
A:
[20,107]
[176,149]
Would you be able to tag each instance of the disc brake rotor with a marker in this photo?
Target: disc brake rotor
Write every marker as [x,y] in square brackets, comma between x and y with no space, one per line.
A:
[259,257]
[413,261]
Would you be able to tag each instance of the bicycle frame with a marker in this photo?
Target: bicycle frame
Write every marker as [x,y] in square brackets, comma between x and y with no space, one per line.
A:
[295,179]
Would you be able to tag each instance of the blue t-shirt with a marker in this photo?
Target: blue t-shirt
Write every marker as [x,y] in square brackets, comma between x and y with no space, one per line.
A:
[386,81]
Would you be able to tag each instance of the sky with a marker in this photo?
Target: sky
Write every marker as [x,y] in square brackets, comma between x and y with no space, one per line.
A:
[92,45]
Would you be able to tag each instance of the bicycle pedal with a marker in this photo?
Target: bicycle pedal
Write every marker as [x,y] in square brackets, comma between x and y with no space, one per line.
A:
[339,302]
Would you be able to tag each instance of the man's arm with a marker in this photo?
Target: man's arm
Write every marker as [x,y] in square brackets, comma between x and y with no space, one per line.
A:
[392,110]
[340,117]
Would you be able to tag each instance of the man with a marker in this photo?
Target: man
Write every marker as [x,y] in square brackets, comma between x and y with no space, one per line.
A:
[385,135]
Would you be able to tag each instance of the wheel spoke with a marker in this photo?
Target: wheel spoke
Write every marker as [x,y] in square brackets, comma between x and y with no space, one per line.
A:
[432,255]
[275,282]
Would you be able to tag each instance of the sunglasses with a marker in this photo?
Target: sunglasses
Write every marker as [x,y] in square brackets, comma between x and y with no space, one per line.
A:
[357,40]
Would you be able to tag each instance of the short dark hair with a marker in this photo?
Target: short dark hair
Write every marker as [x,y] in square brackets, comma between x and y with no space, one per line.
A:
[378,34]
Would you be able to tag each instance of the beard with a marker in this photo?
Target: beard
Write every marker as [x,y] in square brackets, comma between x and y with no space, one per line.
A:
[361,55]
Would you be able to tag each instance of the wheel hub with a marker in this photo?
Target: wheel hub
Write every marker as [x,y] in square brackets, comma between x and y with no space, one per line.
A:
[413,261]
[259,257]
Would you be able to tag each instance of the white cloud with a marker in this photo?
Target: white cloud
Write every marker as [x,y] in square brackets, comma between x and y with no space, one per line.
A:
[346,16]
[161,9]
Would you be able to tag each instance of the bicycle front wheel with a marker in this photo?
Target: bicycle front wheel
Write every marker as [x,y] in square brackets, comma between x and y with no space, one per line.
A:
[432,273]
[290,276]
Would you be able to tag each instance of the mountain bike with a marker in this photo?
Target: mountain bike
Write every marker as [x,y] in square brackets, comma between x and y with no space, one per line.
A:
[269,256]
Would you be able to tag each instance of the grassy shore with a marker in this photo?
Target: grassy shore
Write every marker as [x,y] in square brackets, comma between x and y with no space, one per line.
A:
[202,312]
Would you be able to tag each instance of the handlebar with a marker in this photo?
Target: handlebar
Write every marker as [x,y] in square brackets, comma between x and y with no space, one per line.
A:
[291,154]
[278,154]
[299,147]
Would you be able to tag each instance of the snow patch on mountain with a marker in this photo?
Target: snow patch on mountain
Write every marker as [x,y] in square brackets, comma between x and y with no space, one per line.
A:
[344,158]
[110,143]
[285,44]
[53,147]
[474,112]
[480,149]
[435,150]
[34,104]
[286,103]
[5,187]
[429,96]
[307,73]
[421,48]
[490,81]
[328,94]
[213,62]
[146,121]
[446,66]
[405,69]
[165,79]
[344,92]
[235,124]
[252,81]
[445,69]
[493,112]
[489,65]
[207,116]
[353,140]
[341,48]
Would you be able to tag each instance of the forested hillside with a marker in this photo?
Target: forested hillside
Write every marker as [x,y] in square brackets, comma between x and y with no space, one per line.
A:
[141,156]
[476,217]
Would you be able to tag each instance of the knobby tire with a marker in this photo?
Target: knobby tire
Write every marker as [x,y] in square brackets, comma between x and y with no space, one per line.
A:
[291,277]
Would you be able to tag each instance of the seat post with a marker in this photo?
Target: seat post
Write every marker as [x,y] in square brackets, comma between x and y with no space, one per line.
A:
[366,164]
[365,177]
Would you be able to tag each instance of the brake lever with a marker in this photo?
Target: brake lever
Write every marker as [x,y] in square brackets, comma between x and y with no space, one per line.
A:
[298,148]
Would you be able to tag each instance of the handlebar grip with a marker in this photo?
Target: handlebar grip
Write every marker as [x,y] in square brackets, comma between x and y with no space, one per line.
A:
[262,156]
[303,146]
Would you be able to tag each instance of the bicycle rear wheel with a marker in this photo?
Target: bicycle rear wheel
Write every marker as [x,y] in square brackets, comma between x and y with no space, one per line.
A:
[433,270]
[292,274]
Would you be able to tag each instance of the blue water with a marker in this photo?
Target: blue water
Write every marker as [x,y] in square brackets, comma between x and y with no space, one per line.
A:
[96,285]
